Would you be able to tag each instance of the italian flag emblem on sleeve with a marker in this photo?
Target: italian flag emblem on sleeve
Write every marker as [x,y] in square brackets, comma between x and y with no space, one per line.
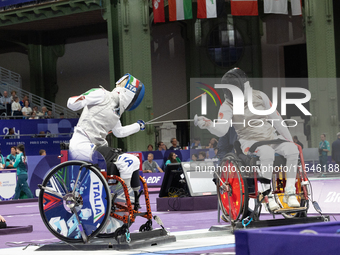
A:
[180,10]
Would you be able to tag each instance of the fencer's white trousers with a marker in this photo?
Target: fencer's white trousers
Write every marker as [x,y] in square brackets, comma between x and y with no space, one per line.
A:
[81,148]
[267,155]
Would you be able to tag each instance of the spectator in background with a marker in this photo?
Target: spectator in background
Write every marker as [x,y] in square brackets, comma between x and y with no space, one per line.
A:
[172,158]
[22,103]
[49,115]
[196,144]
[10,159]
[61,115]
[21,166]
[150,166]
[201,156]
[16,107]
[212,144]
[43,113]
[26,110]
[150,147]
[174,145]
[324,148]
[2,222]
[42,134]
[35,109]
[336,150]
[161,146]
[11,134]
[194,157]
[33,116]
[42,152]
[13,94]
[296,140]
[7,102]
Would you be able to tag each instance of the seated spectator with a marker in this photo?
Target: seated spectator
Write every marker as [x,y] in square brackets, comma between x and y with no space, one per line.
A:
[174,145]
[42,134]
[161,146]
[212,144]
[22,103]
[2,222]
[33,116]
[13,94]
[11,134]
[201,156]
[42,152]
[16,108]
[43,113]
[49,115]
[173,158]
[26,110]
[193,157]
[7,103]
[10,159]
[150,166]
[61,115]
[196,144]
[150,147]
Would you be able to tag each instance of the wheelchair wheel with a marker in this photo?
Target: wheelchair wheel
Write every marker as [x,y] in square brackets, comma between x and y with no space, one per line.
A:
[74,201]
[232,190]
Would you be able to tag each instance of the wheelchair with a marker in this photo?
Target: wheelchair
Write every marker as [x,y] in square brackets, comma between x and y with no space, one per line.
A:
[237,183]
[79,201]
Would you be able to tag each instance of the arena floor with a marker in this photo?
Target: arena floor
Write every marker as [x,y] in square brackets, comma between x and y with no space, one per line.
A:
[190,228]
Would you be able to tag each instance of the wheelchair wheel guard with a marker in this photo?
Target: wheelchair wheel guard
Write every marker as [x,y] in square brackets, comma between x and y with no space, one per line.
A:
[232,190]
[74,201]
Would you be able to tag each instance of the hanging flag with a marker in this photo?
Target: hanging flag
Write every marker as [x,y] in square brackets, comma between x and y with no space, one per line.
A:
[296,7]
[276,6]
[209,8]
[158,11]
[244,7]
[180,9]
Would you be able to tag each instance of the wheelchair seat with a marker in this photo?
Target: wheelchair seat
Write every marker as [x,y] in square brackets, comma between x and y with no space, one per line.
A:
[249,160]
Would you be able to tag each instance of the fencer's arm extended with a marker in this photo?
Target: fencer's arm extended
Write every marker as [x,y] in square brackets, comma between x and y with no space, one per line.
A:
[91,97]
[220,126]
[275,116]
[119,131]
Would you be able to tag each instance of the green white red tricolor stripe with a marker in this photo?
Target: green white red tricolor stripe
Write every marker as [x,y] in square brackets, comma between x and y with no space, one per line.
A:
[180,10]
[244,7]
[206,9]
[134,82]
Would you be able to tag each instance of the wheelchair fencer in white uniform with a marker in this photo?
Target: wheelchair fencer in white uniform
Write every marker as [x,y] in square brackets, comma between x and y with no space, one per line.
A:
[260,130]
[101,114]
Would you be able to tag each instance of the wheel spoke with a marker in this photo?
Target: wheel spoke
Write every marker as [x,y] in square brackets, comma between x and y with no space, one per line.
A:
[61,180]
[76,183]
[80,226]
[51,191]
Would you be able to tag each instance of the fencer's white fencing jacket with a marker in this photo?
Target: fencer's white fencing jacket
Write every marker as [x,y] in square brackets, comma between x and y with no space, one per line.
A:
[255,131]
[100,115]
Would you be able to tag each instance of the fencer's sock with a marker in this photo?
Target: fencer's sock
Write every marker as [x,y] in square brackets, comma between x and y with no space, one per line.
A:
[272,203]
[290,197]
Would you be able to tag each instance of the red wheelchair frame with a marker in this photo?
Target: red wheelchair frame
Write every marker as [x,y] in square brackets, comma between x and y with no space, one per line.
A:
[233,193]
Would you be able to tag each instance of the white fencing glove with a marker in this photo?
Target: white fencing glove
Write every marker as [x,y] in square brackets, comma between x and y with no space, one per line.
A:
[202,122]
[141,124]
